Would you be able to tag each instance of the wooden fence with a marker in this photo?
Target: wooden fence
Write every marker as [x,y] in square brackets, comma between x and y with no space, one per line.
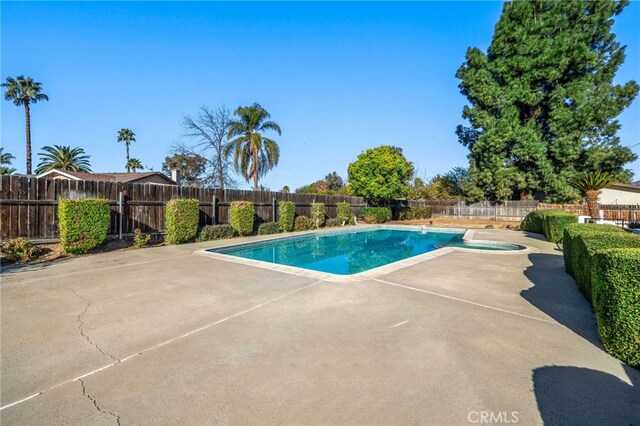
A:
[507,210]
[28,205]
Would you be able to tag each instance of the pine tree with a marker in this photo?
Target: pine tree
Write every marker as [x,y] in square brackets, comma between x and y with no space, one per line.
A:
[542,102]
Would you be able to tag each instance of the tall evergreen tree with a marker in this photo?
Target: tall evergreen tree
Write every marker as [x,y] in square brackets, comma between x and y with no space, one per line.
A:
[542,102]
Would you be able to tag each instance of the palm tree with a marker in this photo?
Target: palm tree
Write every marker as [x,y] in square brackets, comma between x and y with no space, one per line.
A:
[589,184]
[134,164]
[253,154]
[24,91]
[63,158]
[127,136]
[5,160]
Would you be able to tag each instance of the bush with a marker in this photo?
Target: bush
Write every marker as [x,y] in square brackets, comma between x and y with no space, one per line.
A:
[344,214]
[586,245]
[286,215]
[572,231]
[534,221]
[303,223]
[411,213]
[376,214]
[140,239]
[332,222]
[268,228]
[216,232]
[20,250]
[181,220]
[318,215]
[83,224]
[616,302]
[554,223]
[241,217]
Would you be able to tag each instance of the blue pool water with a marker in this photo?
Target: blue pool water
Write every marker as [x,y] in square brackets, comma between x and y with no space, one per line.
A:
[344,253]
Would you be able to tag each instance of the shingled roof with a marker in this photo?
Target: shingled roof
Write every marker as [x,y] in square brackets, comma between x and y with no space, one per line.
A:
[107,177]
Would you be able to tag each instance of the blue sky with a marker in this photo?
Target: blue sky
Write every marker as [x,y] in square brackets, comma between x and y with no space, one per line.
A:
[338,77]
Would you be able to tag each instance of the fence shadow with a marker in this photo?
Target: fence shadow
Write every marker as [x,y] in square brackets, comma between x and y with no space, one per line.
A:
[556,294]
[568,395]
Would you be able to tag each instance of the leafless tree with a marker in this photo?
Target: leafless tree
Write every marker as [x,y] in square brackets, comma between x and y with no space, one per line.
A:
[208,131]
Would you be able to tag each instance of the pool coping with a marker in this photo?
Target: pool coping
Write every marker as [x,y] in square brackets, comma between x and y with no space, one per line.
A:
[365,275]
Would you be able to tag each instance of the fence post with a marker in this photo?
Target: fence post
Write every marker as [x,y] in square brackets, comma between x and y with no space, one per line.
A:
[273,209]
[215,210]
[120,200]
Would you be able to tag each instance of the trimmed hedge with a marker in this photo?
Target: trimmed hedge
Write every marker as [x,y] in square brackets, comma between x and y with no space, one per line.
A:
[554,222]
[318,214]
[83,224]
[286,215]
[572,231]
[181,220]
[376,214]
[586,245]
[344,214]
[303,223]
[534,221]
[411,213]
[241,217]
[616,302]
[268,228]
[216,232]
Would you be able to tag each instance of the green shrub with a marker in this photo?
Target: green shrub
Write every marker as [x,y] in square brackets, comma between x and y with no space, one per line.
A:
[303,223]
[376,214]
[241,217]
[344,214]
[554,223]
[586,245]
[140,239]
[20,250]
[572,231]
[286,215]
[534,221]
[83,224]
[318,214]
[616,302]
[332,222]
[268,228]
[216,232]
[418,212]
[181,220]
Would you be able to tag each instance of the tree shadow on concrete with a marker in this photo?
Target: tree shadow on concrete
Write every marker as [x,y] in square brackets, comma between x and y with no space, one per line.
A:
[581,396]
[556,294]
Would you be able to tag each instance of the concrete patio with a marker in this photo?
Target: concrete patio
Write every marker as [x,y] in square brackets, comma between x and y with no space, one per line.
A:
[163,336]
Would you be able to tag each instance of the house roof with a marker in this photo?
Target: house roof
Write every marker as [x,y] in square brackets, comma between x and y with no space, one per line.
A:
[107,177]
[633,187]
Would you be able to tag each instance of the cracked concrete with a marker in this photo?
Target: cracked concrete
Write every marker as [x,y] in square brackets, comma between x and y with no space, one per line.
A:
[193,340]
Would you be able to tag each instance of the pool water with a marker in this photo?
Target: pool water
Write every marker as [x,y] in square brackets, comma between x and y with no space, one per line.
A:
[344,253]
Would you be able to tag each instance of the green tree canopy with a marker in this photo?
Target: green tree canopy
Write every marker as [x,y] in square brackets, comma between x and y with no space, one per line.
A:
[127,136]
[542,102]
[192,167]
[63,158]
[5,161]
[134,164]
[380,174]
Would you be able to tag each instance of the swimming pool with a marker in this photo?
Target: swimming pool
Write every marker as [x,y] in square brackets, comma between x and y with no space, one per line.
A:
[344,252]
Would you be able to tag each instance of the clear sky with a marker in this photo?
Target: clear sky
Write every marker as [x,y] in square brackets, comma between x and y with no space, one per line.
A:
[338,77]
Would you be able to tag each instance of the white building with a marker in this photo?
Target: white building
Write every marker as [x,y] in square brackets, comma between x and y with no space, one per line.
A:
[620,193]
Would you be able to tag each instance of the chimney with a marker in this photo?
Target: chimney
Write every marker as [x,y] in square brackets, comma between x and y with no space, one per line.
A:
[175,175]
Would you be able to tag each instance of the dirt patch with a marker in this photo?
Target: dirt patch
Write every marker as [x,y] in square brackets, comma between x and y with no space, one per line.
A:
[452,222]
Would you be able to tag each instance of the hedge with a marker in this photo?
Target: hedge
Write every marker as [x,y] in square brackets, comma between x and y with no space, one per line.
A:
[616,302]
[268,228]
[318,214]
[303,223]
[376,214]
[286,215]
[411,213]
[572,231]
[586,245]
[241,217]
[181,220]
[344,214]
[534,221]
[554,222]
[83,224]
[216,232]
